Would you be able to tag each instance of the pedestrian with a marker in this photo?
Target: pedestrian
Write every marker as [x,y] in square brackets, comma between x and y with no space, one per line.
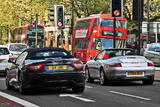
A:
[142,50]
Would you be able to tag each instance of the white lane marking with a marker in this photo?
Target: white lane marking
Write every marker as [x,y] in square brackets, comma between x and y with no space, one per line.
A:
[88,86]
[129,95]
[18,100]
[76,97]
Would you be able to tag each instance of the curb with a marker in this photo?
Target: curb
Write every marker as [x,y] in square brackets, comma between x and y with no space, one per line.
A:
[157,74]
[157,69]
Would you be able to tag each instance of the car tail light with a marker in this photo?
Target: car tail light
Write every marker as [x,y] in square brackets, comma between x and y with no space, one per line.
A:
[131,57]
[115,65]
[35,67]
[11,58]
[77,65]
[150,64]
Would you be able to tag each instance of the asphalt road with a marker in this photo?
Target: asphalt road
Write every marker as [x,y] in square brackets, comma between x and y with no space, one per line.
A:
[133,94]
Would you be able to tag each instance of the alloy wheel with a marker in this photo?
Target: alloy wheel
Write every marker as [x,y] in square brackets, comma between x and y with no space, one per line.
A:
[102,78]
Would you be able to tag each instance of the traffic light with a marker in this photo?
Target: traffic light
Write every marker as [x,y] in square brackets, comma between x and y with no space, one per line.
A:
[59,16]
[52,14]
[116,8]
[137,7]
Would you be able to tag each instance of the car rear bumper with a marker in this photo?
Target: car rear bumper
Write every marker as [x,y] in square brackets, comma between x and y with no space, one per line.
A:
[130,78]
[54,80]
[121,74]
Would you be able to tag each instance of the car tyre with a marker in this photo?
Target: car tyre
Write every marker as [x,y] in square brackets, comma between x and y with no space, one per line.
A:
[22,91]
[78,89]
[148,81]
[9,87]
[88,78]
[103,79]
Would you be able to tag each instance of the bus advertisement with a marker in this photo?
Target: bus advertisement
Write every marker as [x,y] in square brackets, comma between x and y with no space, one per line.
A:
[94,33]
[27,35]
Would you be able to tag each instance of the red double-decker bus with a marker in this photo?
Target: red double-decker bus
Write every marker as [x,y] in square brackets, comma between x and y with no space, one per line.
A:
[93,33]
[27,35]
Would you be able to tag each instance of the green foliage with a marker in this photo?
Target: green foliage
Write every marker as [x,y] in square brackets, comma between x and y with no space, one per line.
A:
[21,12]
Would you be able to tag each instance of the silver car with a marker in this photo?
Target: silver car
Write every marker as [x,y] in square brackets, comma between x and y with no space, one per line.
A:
[119,64]
[152,52]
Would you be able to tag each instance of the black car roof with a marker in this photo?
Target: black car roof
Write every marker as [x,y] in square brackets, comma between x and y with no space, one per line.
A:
[44,49]
[33,51]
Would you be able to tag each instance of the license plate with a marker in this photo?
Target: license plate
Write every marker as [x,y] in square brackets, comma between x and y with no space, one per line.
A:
[17,54]
[60,67]
[132,74]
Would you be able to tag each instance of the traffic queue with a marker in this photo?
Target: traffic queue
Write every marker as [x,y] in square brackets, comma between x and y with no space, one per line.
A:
[51,67]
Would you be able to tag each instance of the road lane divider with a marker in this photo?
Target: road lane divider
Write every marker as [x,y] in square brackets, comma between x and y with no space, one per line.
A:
[129,95]
[77,97]
[2,79]
[18,100]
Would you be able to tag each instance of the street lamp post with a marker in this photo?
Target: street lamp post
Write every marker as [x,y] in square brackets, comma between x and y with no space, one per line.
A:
[147,21]
[36,29]
[114,33]
[140,18]
[72,24]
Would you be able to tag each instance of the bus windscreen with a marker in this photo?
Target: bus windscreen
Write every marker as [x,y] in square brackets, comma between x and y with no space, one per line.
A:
[109,23]
[31,36]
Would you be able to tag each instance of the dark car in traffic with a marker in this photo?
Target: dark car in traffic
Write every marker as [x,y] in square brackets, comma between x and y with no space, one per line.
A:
[45,67]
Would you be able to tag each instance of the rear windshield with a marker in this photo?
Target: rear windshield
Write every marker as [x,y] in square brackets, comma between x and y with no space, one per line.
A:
[4,51]
[120,52]
[49,54]
[17,47]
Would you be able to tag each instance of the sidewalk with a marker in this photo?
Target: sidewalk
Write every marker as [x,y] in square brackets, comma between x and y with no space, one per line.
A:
[157,73]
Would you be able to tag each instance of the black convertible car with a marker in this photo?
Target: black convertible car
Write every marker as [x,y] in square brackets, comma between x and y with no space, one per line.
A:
[44,68]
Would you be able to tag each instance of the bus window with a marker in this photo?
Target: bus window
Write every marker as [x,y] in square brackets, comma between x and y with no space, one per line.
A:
[96,22]
[109,23]
[102,43]
[83,24]
[81,44]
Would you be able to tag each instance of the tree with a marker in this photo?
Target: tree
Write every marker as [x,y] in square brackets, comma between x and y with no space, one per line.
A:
[21,12]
